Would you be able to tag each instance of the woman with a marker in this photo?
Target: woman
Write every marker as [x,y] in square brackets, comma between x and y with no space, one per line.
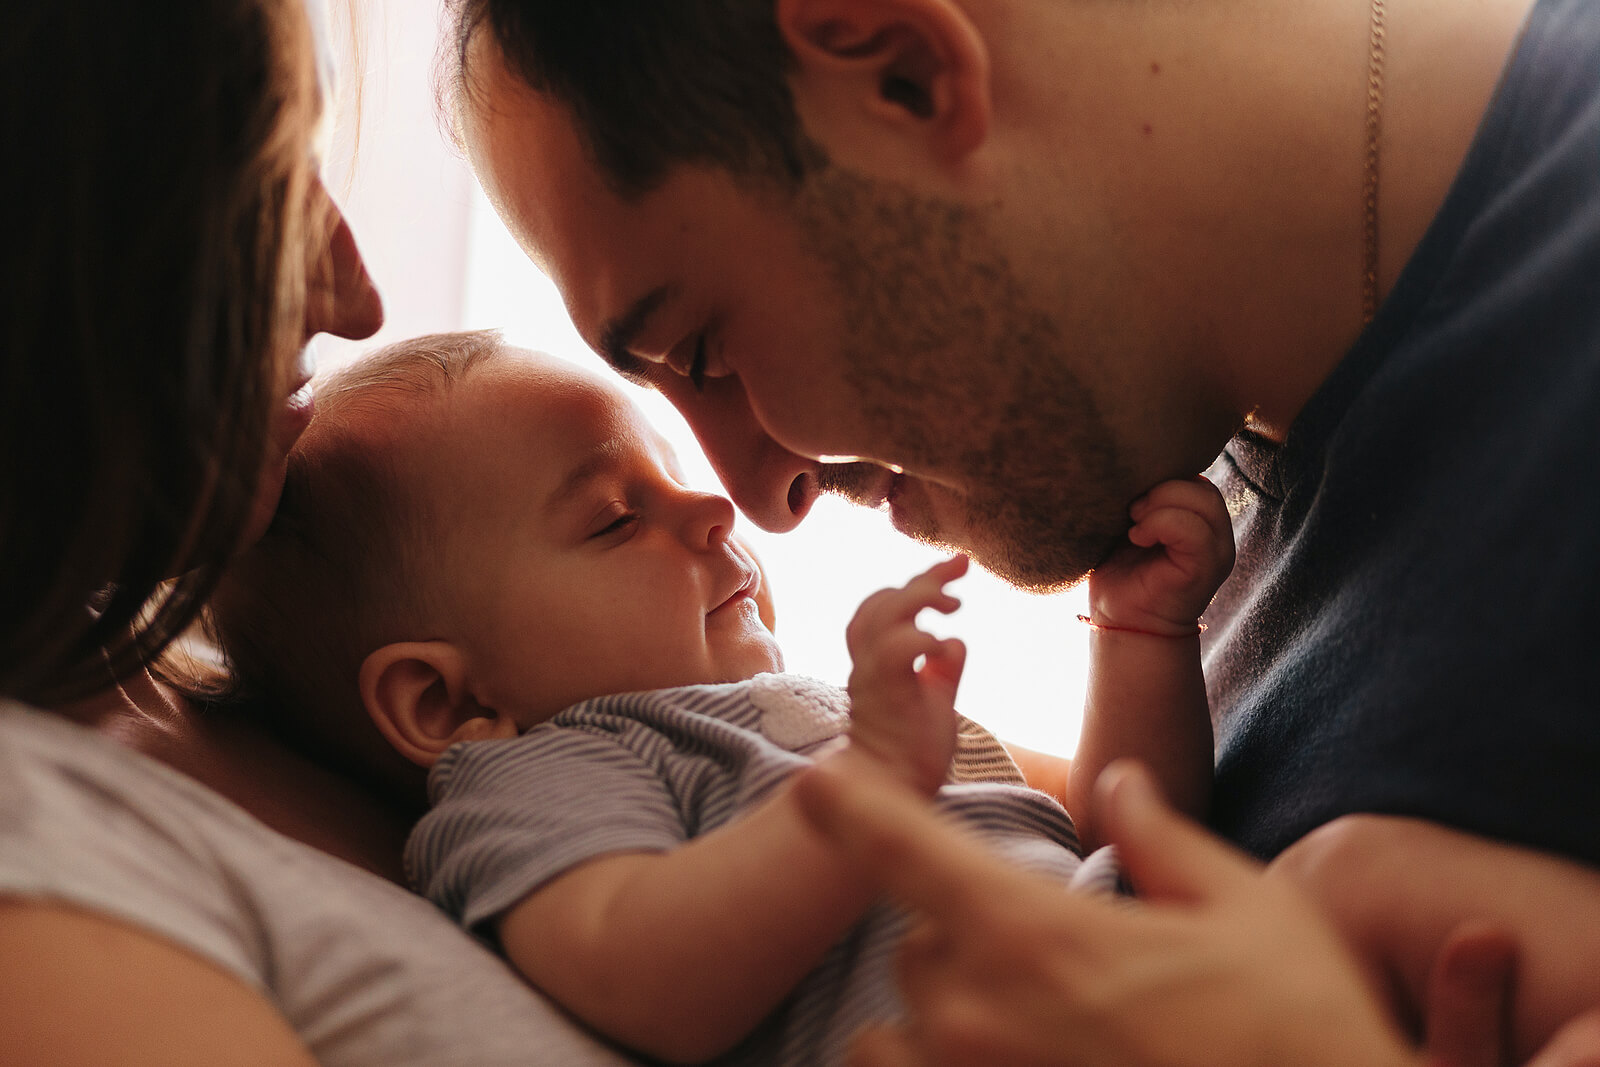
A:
[170,251]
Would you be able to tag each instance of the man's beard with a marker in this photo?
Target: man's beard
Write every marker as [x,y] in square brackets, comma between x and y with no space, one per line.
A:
[967,377]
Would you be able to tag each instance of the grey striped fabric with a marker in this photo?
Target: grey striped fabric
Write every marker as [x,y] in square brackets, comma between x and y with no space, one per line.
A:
[648,771]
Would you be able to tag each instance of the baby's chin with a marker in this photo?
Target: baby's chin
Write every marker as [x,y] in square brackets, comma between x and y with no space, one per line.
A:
[765,660]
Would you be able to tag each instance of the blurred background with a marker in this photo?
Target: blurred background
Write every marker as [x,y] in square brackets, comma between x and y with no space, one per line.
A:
[444,262]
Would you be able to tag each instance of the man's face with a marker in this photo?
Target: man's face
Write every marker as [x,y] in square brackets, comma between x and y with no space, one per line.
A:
[853,320]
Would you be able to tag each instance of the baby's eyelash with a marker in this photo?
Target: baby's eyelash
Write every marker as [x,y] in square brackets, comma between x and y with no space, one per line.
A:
[617,525]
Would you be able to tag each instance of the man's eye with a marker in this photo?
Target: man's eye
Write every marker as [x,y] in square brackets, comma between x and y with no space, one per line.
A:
[697,367]
[691,364]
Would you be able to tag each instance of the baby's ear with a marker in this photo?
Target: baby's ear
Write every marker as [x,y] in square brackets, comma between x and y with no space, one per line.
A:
[417,695]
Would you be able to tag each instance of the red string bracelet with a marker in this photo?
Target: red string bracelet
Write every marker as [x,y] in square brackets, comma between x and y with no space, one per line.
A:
[1199,628]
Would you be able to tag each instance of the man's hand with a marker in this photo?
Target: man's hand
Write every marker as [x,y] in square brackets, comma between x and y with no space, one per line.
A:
[1216,967]
[1576,1044]
[903,680]
[1469,1006]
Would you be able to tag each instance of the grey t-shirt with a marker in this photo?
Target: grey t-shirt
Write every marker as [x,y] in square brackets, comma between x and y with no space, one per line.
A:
[366,973]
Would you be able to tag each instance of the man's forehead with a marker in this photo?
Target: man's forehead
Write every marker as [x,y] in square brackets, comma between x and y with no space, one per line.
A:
[541,181]
[527,155]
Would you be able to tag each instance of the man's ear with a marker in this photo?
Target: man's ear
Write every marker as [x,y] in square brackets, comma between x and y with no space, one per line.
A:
[919,65]
[418,696]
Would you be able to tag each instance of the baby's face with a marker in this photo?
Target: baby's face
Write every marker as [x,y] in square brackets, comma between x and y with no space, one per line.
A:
[575,563]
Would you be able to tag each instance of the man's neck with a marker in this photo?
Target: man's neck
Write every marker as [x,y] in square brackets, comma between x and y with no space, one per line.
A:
[1236,140]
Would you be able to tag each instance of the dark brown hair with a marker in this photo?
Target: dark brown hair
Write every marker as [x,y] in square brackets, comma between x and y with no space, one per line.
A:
[156,168]
[652,83]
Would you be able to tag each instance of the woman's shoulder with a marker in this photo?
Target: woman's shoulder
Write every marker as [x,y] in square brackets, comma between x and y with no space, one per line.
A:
[364,971]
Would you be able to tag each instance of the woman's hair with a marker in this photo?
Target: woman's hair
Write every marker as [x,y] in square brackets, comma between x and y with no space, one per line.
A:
[652,84]
[153,283]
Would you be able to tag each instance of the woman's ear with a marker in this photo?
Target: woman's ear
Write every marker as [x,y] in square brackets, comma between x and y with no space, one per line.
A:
[418,696]
[919,66]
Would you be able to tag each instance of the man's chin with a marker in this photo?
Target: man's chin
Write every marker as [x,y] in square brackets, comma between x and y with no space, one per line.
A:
[1028,556]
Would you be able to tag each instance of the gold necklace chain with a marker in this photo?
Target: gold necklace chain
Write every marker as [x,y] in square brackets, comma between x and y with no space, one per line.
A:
[1369,271]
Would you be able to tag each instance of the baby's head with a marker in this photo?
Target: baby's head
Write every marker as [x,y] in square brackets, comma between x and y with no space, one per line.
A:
[472,538]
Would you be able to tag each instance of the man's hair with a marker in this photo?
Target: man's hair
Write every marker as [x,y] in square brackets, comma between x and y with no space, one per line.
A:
[152,289]
[351,557]
[652,84]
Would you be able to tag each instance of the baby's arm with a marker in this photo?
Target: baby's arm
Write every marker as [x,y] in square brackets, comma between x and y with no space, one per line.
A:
[1146,697]
[680,954]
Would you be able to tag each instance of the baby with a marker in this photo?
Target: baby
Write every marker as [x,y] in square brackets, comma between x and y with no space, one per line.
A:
[486,567]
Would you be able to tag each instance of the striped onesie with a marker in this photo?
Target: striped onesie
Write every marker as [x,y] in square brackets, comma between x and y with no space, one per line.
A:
[648,771]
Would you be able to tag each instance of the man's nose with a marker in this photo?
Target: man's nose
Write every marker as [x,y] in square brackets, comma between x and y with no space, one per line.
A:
[773,486]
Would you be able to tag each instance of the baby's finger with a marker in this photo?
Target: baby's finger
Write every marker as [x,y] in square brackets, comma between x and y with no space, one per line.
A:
[878,614]
[1182,531]
[928,587]
[946,661]
[887,607]
[1193,494]
[898,650]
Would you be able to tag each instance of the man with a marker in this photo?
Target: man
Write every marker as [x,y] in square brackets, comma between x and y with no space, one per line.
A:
[1005,264]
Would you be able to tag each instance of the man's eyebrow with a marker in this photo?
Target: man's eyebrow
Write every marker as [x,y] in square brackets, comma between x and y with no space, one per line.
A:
[619,335]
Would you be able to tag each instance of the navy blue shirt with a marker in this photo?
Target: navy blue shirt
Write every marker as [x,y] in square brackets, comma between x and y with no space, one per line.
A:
[1413,626]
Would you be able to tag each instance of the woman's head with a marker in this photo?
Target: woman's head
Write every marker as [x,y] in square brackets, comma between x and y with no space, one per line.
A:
[169,251]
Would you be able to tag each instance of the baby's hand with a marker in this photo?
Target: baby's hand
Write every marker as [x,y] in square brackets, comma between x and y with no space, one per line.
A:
[1181,551]
[903,715]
